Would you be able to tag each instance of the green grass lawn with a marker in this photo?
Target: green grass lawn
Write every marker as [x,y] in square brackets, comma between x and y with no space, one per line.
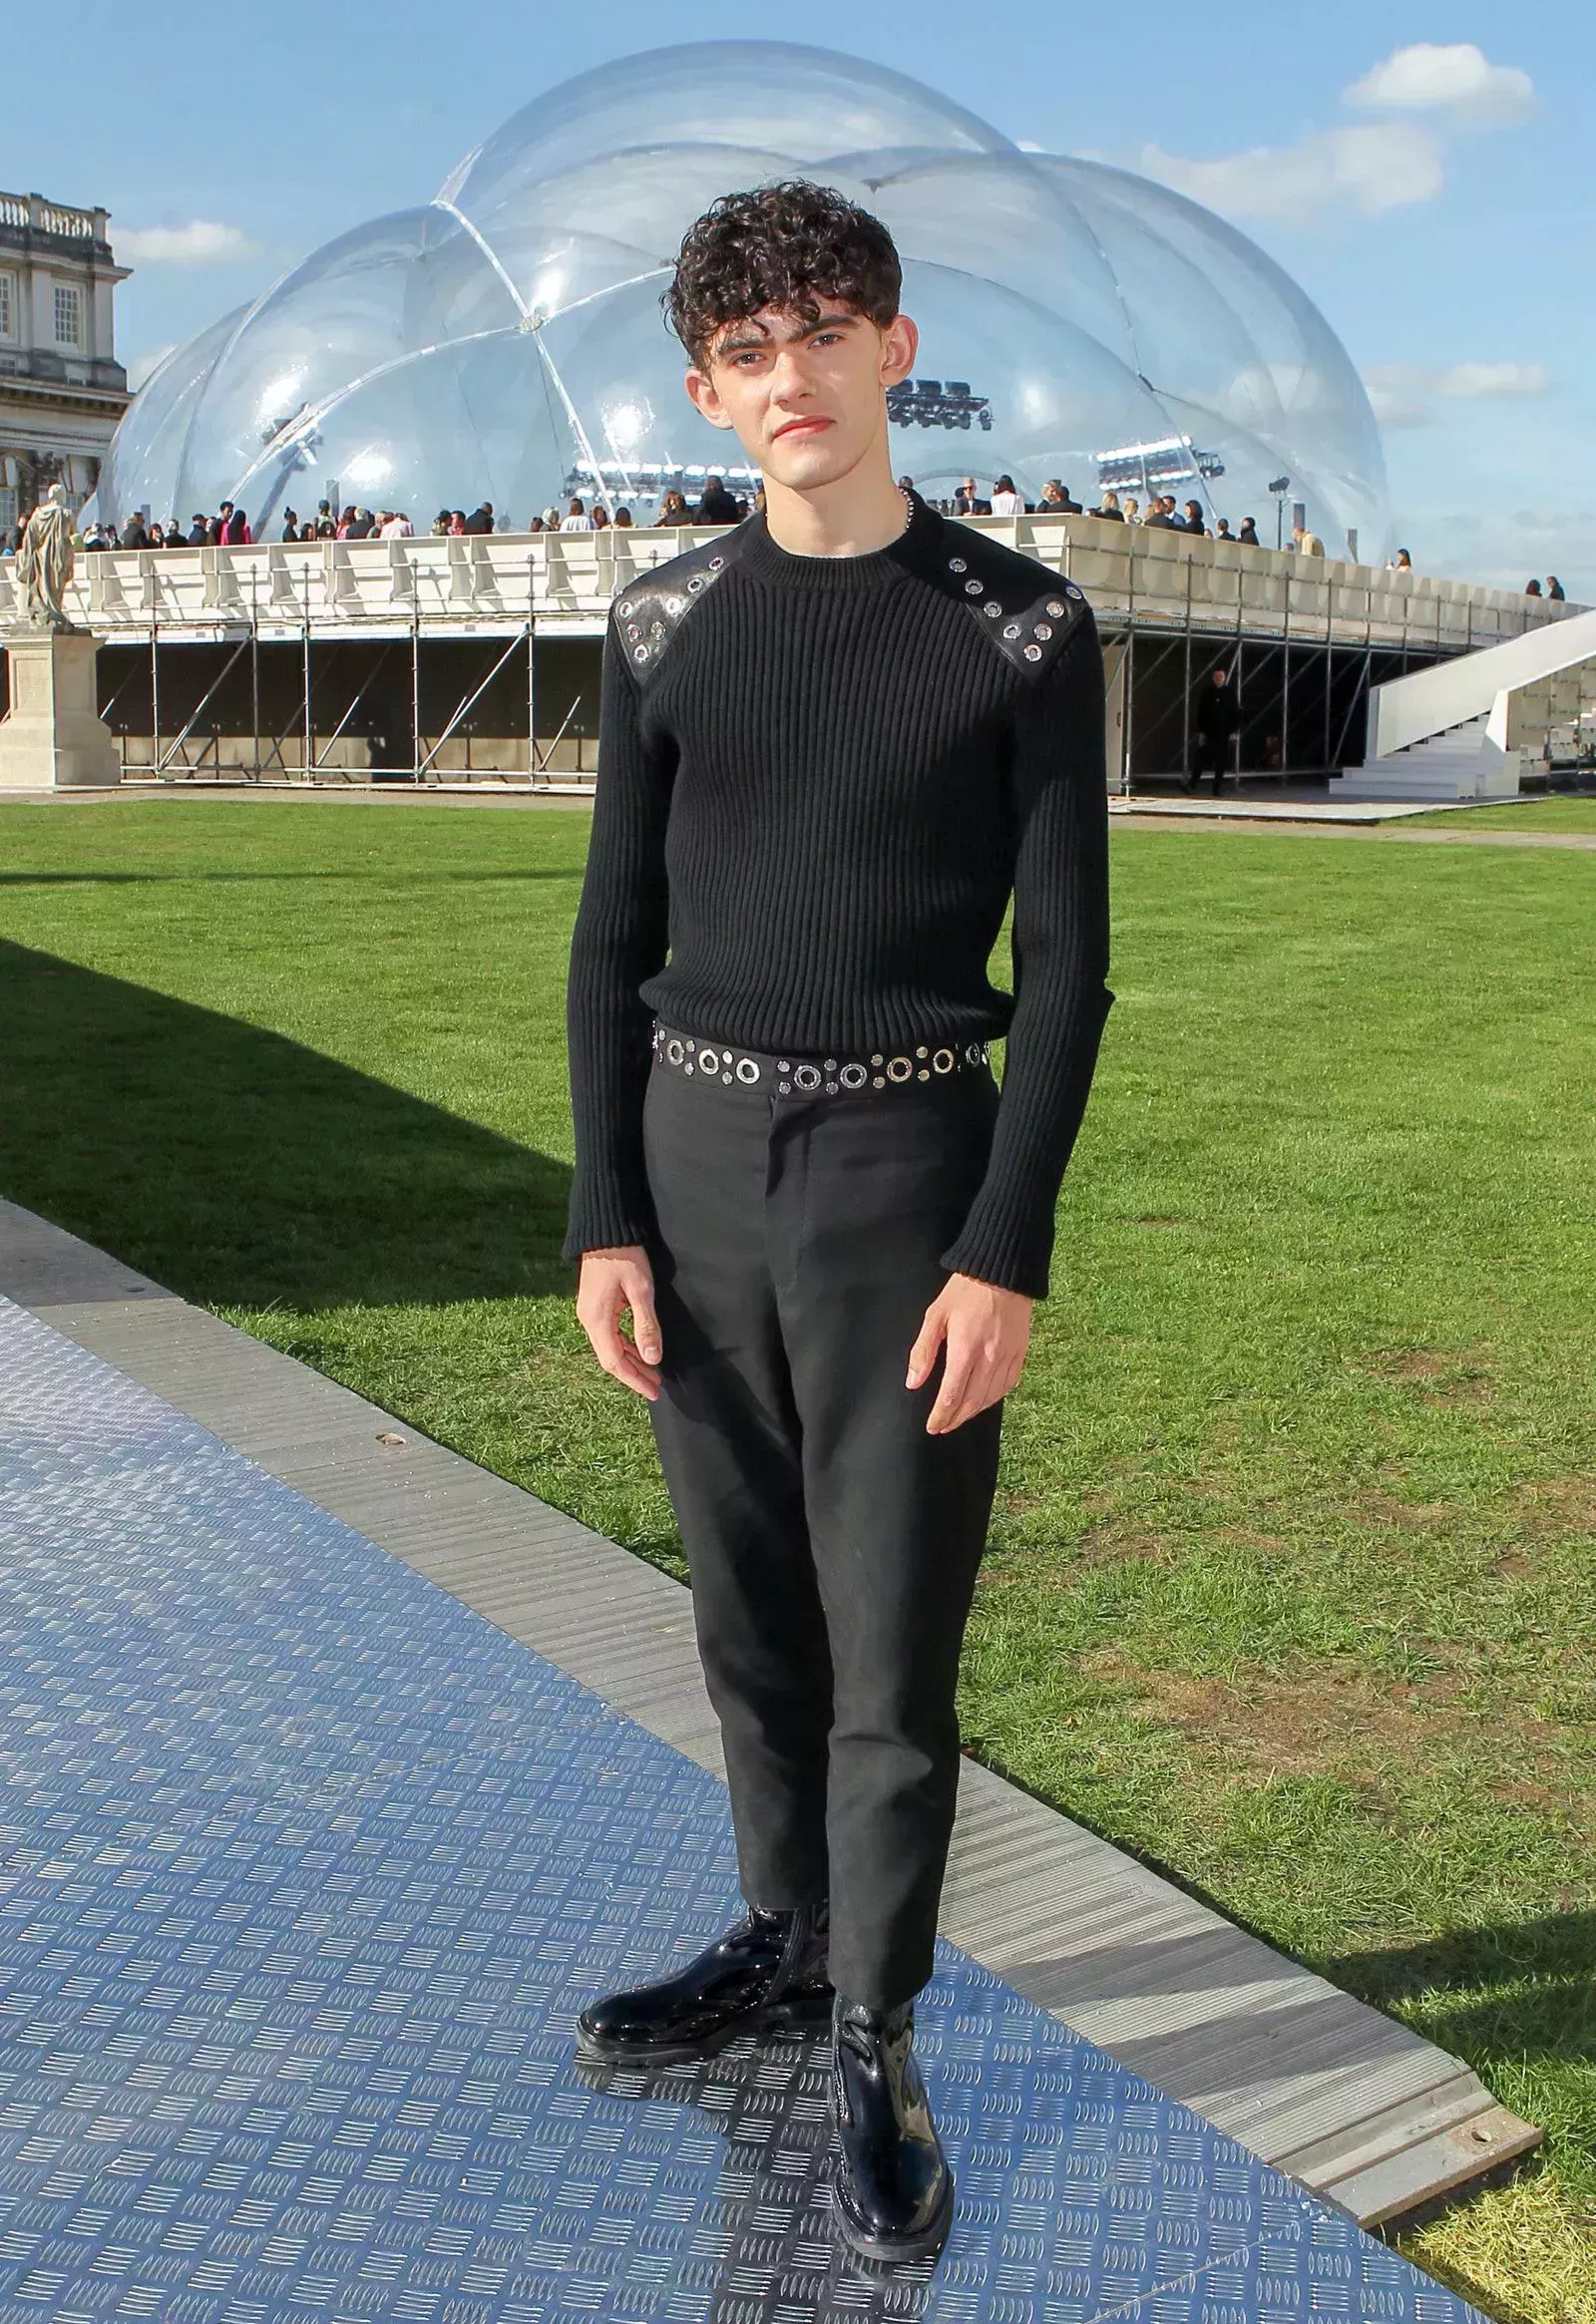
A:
[1549,812]
[1291,1585]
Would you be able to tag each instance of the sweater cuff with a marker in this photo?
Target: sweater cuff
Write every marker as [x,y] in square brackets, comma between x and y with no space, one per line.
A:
[1011,1262]
[605,1218]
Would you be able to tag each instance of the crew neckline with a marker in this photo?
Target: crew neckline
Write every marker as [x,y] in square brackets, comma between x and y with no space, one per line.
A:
[871,569]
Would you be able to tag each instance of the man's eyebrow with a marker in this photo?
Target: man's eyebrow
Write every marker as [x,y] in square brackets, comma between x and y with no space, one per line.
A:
[753,334]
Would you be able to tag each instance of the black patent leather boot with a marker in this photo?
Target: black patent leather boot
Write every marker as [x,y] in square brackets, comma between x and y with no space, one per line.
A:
[765,1975]
[892,2191]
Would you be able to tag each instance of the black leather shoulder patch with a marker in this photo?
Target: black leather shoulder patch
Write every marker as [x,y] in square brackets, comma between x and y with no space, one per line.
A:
[1028,612]
[652,606]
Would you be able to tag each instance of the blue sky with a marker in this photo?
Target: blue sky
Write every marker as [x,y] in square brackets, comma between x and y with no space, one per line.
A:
[1422,171]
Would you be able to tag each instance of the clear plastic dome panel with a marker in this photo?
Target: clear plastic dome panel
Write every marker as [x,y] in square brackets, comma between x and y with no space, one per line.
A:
[507,341]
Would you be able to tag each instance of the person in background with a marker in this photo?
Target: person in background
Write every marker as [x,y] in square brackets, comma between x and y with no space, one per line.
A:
[623,520]
[1532,588]
[199,533]
[1194,517]
[1248,536]
[1308,544]
[1218,724]
[1005,502]
[217,525]
[601,519]
[575,520]
[535,524]
[174,538]
[97,537]
[457,523]
[1222,531]
[326,522]
[481,518]
[396,525]
[551,520]
[238,533]
[1554,589]
[1159,517]
[673,509]
[291,523]
[1401,562]
[1056,500]
[1109,510]
[441,525]
[136,532]
[716,506]
[1130,509]
[310,530]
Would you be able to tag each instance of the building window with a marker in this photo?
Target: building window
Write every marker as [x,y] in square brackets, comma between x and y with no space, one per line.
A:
[8,508]
[8,303]
[69,323]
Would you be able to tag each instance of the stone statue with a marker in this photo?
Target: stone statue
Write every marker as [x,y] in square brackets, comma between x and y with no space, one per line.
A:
[45,561]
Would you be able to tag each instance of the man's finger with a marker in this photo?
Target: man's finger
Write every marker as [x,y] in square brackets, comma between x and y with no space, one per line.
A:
[958,1366]
[645,1328]
[922,1355]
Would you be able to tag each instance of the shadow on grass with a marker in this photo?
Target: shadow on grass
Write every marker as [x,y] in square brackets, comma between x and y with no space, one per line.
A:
[239,1168]
[1522,1988]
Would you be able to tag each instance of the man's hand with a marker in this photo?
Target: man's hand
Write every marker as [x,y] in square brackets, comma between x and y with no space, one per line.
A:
[987,1330]
[608,1284]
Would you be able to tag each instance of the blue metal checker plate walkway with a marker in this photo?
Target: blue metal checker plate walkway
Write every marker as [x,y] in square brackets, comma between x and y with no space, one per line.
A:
[306,1869]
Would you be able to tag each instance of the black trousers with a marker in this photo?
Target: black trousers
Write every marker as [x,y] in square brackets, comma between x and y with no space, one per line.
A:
[833,1542]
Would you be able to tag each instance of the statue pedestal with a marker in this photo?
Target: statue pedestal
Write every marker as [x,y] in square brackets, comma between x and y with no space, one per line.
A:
[53,738]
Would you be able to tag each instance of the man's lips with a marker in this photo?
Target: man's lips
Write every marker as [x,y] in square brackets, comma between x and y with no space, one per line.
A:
[807,427]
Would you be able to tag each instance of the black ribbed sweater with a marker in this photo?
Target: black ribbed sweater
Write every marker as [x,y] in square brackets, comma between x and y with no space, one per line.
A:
[820,779]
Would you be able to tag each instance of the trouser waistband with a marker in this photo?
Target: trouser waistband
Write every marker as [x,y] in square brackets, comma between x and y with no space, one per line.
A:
[708,1059]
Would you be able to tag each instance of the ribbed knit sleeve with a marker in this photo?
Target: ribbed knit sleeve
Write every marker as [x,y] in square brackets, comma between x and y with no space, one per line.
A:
[620,936]
[1059,951]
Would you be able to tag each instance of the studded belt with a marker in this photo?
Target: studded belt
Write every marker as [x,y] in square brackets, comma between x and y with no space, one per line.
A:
[806,1076]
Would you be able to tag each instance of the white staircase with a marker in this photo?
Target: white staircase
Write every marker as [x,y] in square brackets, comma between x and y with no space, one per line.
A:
[1463,728]
[1461,763]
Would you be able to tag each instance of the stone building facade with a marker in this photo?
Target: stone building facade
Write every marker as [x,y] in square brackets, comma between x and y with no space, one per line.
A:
[62,390]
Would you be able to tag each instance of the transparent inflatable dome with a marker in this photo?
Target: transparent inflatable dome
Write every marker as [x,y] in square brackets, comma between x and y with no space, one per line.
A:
[504,341]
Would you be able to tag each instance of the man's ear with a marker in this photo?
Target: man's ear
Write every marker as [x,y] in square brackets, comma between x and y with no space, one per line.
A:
[705,395]
[899,344]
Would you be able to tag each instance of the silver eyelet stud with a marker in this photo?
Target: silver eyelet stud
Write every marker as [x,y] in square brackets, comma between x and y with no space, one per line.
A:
[688,1067]
[674,1050]
[624,610]
[991,609]
[747,1069]
[924,1072]
[709,1059]
[807,1076]
[893,1073]
[656,630]
[876,1082]
[1070,590]
[673,604]
[715,563]
[785,1087]
[831,1088]
[696,582]
[726,1079]
[1034,654]
[945,1061]
[1055,607]
[853,1076]
[922,1050]
[783,1065]
[955,565]
[1010,628]
[1044,631]
[691,1041]
[876,1057]
[972,589]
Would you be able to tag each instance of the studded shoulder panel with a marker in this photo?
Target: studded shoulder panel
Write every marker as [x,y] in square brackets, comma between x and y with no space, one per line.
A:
[1026,612]
[653,608]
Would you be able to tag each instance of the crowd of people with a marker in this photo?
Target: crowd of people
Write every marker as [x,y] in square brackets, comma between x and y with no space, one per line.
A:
[716,505]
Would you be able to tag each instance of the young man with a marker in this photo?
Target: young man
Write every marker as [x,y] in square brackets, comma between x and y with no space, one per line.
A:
[834,741]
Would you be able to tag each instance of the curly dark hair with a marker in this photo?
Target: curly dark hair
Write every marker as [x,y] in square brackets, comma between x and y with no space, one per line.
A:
[790,244]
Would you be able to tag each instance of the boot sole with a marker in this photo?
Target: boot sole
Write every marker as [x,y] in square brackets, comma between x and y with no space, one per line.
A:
[784,2022]
[925,2245]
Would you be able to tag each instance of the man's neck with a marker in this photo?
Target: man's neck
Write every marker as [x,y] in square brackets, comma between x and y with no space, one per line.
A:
[861,512]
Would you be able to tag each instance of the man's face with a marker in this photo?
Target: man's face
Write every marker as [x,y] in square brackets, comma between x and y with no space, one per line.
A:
[806,401]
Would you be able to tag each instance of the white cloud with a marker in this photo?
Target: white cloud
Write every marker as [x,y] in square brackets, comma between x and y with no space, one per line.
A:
[145,366]
[1370,167]
[1492,379]
[1403,394]
[1455,78]
[203,242]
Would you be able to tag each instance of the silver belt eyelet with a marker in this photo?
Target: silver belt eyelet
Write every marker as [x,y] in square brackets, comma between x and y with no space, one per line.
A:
[853,1076]
[710,1061]
[747,1069]
[807,1076]
[899,1068]
[944,1060]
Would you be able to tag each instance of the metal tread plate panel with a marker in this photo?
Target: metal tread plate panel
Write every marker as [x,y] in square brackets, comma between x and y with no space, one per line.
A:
[307,1867]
